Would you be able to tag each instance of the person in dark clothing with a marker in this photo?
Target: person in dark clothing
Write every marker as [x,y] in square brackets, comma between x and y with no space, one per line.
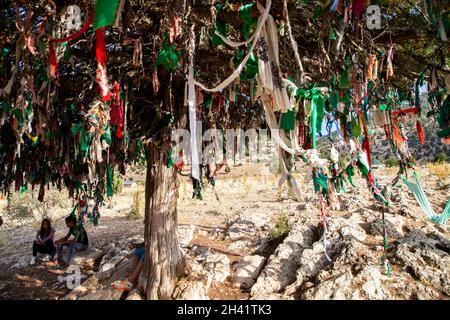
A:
[44,242]
[79,242]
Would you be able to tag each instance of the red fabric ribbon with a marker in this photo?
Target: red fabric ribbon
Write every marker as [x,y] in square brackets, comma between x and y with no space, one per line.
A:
[100,50]
[420,132]
[78,33]
[366,147]
[405,111]
[102,75]
[53,63]
[117,111]
[357,8]
[51,48]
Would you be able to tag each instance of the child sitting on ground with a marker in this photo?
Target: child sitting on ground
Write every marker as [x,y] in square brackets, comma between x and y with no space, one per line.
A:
[137,264]
[78,243]
[44,242]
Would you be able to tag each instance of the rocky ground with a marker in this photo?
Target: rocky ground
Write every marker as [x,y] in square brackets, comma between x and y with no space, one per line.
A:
[229,239]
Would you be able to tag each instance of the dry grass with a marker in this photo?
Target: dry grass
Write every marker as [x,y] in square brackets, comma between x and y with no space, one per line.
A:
[441,171]
[388,171]
[137,210]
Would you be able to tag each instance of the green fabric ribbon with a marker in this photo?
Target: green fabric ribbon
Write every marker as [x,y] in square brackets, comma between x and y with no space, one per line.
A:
[417,190]
[79,128]
[221,28]
[74,210]
[208,101]
[170,161]
[245,13]
[350,170]
[334,101]
[356,127]
[419,83]
[109,181]
[105,13]
[444,119]
[363,166]
[317,109]
[332,35]
[288,120]
[168,56]
[320,180]
[344,79]
[251,67]
[107,135]
[317,114]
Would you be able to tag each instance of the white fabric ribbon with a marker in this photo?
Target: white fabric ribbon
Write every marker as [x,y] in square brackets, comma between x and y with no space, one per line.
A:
[261,22]
[193,111]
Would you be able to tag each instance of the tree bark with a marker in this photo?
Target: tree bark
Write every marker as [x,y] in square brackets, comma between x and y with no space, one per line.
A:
[164,261]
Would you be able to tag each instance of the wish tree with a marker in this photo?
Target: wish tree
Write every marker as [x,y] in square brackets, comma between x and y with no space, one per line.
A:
[89,87]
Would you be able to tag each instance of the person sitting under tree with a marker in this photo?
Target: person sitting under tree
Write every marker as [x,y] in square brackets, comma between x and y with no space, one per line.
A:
[136,267]
[78,243]
[44,242]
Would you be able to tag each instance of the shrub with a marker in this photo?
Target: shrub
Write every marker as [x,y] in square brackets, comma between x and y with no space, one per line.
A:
[117,184]
[391,162]
[440,158]
[282,227]
[25,209]
[137,210]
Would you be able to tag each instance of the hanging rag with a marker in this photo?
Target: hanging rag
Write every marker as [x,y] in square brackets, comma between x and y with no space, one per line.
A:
[357,9]
[105,12]
[261,22]
[419,194]
[193,111]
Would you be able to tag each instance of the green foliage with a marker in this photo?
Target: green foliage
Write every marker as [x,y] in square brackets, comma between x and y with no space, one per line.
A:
[343,161]
[117,184]
[282,226]
[440,158]
[391,162]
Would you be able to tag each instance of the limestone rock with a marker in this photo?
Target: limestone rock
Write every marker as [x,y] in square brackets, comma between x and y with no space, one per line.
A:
[272,296]
[87,257]
[239,246]
[218,264]
[134,295]
[200,252]
[247,271]
[99,295]
[195,287]
[393,230]
[372,286]
[22,262]
[282,265]
[186,234]
[112,262]
[426,257]
[89,286]
[247,224]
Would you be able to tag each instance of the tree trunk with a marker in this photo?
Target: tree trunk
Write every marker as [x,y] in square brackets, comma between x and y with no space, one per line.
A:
[164,261]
